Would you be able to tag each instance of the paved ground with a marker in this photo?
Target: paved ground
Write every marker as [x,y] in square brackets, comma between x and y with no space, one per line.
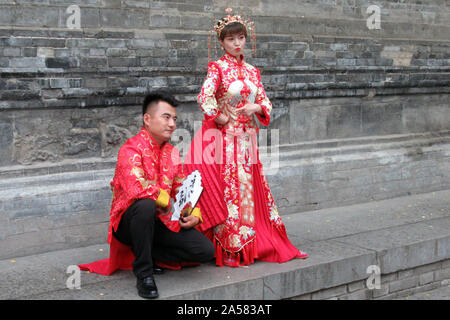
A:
[341,242]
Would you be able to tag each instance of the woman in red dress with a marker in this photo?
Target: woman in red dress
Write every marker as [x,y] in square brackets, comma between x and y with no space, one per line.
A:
[238,209]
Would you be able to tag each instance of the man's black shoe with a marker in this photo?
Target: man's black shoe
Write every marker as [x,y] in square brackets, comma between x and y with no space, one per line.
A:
[158,270]
[147,288]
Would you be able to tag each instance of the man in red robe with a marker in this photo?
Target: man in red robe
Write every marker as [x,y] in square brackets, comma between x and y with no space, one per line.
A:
[147,176]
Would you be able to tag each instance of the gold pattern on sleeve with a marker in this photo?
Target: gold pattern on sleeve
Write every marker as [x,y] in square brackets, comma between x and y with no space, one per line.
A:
[140,176]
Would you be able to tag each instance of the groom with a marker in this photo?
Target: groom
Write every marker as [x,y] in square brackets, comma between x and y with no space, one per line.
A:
[146,179]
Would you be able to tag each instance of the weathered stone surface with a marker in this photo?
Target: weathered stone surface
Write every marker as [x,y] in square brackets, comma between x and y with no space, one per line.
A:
[6,140]
[349,102]
[340,253]
[326,275]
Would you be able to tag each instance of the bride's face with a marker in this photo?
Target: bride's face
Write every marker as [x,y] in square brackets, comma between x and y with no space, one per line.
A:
[234,44]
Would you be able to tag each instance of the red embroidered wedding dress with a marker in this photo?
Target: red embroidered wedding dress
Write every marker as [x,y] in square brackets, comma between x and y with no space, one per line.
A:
[238,210]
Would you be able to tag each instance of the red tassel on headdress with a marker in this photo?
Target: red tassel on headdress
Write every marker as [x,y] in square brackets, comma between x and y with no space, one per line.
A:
[209,47]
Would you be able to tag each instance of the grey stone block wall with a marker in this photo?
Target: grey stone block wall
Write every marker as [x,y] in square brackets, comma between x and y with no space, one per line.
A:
[62,84]
[394,285]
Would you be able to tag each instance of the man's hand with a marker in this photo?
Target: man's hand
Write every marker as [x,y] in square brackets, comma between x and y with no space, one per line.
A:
[166,210]
[189,222]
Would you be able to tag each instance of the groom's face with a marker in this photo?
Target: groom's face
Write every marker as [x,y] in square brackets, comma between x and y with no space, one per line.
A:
[160,121]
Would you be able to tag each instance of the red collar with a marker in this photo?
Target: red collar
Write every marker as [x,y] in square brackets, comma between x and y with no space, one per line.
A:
[148,137]
[233,59]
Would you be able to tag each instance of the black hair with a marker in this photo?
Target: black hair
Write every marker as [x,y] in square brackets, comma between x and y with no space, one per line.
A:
[157,96]
[232,29]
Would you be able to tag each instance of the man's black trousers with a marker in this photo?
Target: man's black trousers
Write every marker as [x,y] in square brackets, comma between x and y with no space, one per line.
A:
[152,241]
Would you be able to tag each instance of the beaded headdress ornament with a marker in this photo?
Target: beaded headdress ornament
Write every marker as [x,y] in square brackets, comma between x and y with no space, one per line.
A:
[222,23]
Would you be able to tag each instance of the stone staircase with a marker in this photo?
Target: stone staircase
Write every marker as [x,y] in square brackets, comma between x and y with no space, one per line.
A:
[67,206]
[405,239]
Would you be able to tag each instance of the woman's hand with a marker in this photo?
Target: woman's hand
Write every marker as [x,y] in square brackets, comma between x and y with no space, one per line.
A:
[221,119]
[249,109]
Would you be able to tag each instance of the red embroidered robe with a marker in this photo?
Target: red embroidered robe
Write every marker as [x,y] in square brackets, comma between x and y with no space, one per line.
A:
[144,170]
[237,205]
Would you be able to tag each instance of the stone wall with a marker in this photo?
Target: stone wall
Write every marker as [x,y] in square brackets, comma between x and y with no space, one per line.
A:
[359,114]
[74,94]
[400,284]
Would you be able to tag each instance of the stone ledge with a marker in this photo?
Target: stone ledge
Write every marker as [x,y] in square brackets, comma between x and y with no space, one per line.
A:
[309,149]
[349,146]
[70,209]
[392,287]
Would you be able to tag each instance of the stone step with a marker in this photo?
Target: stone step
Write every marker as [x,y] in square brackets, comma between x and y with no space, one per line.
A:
[354,149]
[21,188]
[410,138]
[51,183]
[406,237]
[99,169]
